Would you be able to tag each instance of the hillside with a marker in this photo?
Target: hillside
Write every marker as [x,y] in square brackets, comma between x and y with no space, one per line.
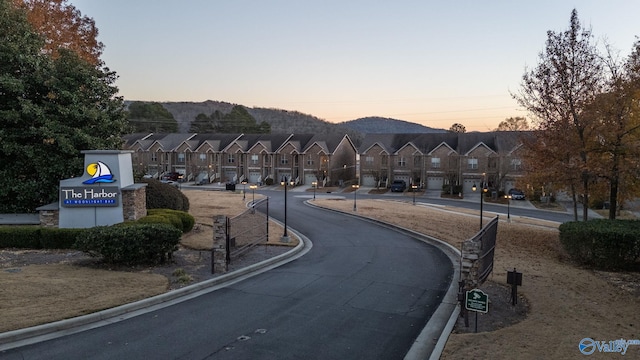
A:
[378,125]
[284,121]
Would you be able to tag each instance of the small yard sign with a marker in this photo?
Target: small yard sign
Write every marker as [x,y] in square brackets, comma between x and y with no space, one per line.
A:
[477,300]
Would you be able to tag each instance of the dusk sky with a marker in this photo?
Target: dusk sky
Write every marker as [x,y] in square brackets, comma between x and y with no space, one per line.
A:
[431,62]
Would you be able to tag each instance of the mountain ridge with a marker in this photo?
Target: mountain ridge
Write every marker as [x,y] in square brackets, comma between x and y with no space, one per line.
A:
[291,121]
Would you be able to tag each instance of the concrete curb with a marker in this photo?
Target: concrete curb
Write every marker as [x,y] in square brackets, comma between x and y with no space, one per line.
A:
[31,335]
[433,337]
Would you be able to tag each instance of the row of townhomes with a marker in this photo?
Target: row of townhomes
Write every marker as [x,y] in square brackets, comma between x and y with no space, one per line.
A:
[429,160]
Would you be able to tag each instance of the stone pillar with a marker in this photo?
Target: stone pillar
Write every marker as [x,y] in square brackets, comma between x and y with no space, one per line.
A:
[134,202]
[469,270]
[219,249]
[49,215]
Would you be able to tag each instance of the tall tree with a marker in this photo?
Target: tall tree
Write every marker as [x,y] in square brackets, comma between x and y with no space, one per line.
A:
[513,124]
[616,115]
[567,78]
[63,27]
[50,110]
[458,128]
[240,121]
[151,117]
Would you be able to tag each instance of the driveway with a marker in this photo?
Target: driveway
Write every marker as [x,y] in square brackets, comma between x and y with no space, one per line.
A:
[363,291]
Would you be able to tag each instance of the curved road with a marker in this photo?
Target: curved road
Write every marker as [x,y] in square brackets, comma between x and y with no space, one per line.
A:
[362,292]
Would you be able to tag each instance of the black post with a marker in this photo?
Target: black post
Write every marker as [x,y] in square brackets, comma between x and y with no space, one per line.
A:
[476,329]
[285,209]
[481,201]
[355,208]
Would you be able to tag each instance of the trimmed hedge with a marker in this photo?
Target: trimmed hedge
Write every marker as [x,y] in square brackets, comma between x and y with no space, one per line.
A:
[37,237]
[603,244]
[164,196]
[131,245]
[186,220]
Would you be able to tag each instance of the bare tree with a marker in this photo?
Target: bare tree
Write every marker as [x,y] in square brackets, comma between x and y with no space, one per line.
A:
[568,77]
[513,124]
[458,128]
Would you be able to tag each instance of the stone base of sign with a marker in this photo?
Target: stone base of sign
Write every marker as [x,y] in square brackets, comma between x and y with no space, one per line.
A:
[134,206]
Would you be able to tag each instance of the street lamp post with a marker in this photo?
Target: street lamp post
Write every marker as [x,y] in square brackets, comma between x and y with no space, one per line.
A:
[244,190]
[315,186]
[482,191]
[253,188]
[355,191]
[508,197]
[285,237]
[413,190]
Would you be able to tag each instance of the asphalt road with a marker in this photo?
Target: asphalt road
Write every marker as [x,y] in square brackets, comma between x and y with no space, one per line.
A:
[362,292]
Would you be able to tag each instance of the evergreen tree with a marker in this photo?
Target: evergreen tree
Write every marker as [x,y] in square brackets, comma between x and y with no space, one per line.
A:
[50,109]
[151,117]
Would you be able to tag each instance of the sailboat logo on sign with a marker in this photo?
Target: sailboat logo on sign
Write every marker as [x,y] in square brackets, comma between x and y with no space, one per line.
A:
[100,173]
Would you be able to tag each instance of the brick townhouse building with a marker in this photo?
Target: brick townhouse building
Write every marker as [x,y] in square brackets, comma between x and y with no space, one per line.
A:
[428,160]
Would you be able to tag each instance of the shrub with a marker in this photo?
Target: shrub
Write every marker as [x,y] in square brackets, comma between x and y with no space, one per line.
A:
[164,196]
[446,189]
[23,237]
[166,219]
[186,220]
[602,244]
[37,237]
[55,238]
[132,244]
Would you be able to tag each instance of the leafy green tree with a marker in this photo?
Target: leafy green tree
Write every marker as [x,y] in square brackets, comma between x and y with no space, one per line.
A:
[240,121]
[151,117]
[204,123]
[50,110]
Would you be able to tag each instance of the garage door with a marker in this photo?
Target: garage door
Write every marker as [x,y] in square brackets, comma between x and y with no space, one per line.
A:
[435,183]
[368,180]
[309,179]
[254,177]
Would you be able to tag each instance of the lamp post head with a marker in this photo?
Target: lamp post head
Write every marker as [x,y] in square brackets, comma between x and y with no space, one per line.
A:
[473,187]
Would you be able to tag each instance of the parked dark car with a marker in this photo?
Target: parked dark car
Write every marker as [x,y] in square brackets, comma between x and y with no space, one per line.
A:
[398,186]
[173,176]
[516,194]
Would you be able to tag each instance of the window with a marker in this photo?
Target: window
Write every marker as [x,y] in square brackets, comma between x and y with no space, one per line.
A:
[516,164]
[154,157]
[310,160]
[416,161]
[254,159]
[402,162]
[383,160]
[267,159]
[472,164]
[284,160]
[180,157]
[435,163]
[369,160]
[203,157]
[231,158]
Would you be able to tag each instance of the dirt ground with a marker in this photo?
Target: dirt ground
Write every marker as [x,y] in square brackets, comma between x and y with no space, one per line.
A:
[559,303]
[44,286]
